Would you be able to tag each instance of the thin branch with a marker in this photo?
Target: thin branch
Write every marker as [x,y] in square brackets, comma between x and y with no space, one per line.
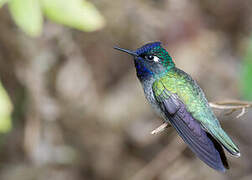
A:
[230,105]
[160,128]
[242,113]
[234,102]
[233,106]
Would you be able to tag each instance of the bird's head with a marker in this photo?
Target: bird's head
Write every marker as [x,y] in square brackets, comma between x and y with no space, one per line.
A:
[150,60]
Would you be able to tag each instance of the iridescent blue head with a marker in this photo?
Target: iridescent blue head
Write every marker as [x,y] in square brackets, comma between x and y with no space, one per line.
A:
[151,60]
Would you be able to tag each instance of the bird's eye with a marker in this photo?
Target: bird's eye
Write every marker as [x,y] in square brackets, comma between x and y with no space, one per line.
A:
[149,57]
[152,58]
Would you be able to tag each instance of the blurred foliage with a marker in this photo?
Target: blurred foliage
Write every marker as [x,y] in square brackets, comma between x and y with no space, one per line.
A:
[247,74]
[2,2]
[5,110]
[79,14]
[27,15]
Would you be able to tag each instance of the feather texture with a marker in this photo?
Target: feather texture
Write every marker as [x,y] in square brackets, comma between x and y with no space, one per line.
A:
[176,81]
[206,148]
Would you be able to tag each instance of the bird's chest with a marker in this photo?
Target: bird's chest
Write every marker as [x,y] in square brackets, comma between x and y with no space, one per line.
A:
[147,87]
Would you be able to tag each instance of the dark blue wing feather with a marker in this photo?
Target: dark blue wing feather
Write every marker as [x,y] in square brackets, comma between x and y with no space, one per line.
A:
[200,142]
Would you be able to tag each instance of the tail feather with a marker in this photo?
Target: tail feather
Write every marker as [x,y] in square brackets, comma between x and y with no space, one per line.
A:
[219,148]
[220,135]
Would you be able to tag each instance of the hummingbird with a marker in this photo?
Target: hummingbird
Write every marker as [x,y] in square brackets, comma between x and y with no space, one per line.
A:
[179,100]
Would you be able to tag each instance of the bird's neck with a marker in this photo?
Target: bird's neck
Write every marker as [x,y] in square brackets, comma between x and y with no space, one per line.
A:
[163,72]
[143,73]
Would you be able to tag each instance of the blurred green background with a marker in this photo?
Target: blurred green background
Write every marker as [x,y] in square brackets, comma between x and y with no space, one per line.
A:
[71,108]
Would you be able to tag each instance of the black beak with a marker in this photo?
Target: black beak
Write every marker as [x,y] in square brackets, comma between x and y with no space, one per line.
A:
[127,51]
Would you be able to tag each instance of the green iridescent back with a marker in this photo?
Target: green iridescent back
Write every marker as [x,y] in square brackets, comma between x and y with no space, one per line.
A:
[177,82]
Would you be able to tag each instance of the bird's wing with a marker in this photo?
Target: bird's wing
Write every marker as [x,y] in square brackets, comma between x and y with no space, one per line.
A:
[188,91]
[200,142]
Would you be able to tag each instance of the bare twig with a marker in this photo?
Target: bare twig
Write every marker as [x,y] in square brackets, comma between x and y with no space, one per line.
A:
[242,113]
[233,106]
[160,128]
[230,105]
